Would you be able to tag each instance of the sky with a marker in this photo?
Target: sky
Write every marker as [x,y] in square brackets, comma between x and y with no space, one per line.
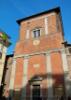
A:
[12,10]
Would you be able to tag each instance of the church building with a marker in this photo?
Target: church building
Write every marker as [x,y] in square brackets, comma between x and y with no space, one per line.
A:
[40,69]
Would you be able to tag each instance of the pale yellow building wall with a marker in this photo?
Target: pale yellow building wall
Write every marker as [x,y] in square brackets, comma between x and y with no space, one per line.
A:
[2,60]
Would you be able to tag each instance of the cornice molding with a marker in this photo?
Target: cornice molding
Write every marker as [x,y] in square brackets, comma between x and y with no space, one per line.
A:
[42,52]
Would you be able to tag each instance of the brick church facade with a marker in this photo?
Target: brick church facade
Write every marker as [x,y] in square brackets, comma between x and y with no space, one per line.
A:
[40,69]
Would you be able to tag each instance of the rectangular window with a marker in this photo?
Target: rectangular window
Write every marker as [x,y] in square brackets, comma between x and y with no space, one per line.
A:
[36,33]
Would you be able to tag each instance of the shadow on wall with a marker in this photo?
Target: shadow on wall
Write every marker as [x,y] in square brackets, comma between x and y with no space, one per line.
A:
[58,89]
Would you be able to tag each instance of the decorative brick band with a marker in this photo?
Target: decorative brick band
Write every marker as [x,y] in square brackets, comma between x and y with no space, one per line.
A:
[42,52]
[42,17]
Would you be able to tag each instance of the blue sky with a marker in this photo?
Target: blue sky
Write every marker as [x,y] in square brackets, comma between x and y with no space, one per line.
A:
[11,10]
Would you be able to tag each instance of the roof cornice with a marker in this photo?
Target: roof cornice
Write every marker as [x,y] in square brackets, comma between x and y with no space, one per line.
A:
[57,9]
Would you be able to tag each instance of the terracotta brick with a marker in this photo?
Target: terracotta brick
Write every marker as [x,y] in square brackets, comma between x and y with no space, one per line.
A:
[48,42]
[19,73]
[57,68]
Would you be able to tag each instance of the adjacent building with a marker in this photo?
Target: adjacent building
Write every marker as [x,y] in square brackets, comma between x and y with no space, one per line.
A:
[6,74]
[41,68]
[4,44]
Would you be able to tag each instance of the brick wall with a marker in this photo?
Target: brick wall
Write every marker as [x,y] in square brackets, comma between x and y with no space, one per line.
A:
[52,40]
[36,65]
